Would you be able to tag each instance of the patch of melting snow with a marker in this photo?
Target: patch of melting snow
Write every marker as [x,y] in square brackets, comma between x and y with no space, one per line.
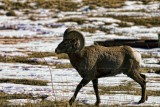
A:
[132,5]
[109,20]
[23,101]
[138,31]
[151,60]
[19,33]
[64,81]
[51,60]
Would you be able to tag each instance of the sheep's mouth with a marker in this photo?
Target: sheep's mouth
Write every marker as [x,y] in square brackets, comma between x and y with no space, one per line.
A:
[57,51]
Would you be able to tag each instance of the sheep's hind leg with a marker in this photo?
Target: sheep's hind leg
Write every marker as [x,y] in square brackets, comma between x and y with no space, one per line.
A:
[95,86]
[79,86]
[139,78]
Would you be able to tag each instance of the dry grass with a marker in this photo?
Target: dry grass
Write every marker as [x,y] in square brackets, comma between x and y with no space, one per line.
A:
[44,103]
[24,81]
[150,21]
[88,29]
[77,20]
[128,88]
[147,1]
[63,5]
[123,24]
[149,70]
[4,97]
[15,5]
[60,66]
[62,56]
[28,60]
[105,3]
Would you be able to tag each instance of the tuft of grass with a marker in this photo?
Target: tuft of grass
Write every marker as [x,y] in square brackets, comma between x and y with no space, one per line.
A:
[3,7]
[129,88]
[63,5]
[55,104]
[24,81]
[60,66]
[47,54]
[124,24]
[62,56]
[41,54]
[11,13]
[28,60]
[44,103]
[20,59]
[149,70]
[105,3]
[77,20]
[157,71]
[89,29]
[4,96]
[32,18]
[92,7]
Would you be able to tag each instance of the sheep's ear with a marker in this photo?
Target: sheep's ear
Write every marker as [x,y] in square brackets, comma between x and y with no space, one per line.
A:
[76,43]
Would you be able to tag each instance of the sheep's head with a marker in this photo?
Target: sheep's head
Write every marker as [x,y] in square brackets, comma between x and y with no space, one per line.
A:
[73,42]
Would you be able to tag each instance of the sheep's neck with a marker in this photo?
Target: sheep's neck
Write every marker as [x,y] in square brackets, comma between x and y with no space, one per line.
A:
[75,59]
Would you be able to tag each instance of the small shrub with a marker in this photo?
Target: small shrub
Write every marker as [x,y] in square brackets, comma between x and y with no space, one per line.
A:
[157,71]
[92,7]
[123,24]
[32,18]
[3,7]
[11,13]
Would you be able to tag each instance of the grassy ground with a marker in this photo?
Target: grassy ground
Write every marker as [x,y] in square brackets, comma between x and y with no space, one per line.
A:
[63,5]
[105,3]
[77,20]
[149,21]
[45,103]
[27,59]
[129,88]
[4,97]
[24,81]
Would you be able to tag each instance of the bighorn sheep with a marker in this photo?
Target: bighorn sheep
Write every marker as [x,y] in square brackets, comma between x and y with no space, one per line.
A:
[93,62]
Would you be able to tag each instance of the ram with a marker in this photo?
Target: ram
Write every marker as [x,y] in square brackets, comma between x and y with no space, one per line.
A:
[93,62]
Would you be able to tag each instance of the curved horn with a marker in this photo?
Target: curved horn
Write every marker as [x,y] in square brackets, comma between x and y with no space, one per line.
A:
[66,32]
[75,34]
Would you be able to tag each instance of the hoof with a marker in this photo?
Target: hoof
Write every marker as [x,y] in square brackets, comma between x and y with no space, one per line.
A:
[97,103]
[141,101]
[146,98]
[71,101]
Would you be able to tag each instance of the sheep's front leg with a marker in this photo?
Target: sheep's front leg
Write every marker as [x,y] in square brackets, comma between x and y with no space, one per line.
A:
[95,86]
[80,85]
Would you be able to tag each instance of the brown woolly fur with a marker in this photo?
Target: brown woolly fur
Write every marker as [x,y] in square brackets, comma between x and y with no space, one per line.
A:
[95,62]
